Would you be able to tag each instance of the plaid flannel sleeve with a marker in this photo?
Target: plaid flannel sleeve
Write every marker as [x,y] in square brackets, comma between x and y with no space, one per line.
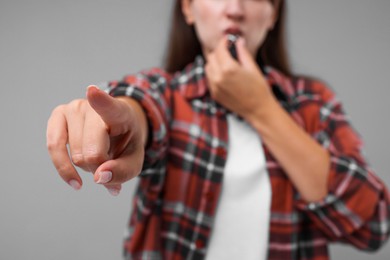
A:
[151,89]
[356,209]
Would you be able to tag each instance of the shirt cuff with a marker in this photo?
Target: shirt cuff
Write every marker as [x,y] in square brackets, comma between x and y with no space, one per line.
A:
[352,197]
[158,139]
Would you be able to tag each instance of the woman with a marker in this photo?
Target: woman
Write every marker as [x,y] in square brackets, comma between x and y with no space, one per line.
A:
[238,159]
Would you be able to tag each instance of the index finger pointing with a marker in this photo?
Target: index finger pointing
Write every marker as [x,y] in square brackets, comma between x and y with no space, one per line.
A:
[109,109]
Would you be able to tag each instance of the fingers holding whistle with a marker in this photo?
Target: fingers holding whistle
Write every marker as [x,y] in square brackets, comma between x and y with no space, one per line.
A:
[238,85]
[231,52]
[226,50]
[223,60]
[230,56]
[238,50]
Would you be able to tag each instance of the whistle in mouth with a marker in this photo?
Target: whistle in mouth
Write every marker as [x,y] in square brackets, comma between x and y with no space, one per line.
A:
[232,45]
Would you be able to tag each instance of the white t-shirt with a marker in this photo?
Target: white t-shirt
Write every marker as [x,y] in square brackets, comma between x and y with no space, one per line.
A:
[241,227]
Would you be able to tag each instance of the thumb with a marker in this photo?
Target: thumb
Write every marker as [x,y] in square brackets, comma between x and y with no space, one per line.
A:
[244,56]
[111,110]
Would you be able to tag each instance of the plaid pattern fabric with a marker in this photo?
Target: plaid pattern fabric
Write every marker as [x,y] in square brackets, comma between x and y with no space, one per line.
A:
[179,188]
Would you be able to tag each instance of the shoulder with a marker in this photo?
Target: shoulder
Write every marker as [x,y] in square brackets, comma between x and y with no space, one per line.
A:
[311,102]
[192,72]
[149,76]
[298,87]
[157,75]
[153,80]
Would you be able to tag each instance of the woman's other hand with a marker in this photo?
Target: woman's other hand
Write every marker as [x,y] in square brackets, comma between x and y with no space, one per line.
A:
[238,85]
[100,134]
[241,87]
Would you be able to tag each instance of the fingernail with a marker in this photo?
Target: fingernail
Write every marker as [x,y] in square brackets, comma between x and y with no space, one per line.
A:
[74,184]
[113,192]
[92,86]
[104,177]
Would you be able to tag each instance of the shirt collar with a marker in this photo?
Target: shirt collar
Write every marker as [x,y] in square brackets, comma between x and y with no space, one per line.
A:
[191,81]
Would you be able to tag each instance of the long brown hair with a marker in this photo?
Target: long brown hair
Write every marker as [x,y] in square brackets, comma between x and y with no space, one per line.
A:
[183,44]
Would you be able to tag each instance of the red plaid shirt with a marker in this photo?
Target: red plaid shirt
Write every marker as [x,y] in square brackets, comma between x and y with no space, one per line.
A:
[180,185]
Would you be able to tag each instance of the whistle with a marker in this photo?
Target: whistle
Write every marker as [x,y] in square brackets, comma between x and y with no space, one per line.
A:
[232,45]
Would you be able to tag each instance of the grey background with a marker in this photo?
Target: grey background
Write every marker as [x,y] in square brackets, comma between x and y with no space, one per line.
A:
[51,50]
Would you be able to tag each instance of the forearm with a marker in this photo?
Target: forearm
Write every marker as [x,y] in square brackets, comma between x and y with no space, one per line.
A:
[305,162]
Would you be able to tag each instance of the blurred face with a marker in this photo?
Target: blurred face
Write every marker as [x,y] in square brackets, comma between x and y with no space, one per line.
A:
[212,19]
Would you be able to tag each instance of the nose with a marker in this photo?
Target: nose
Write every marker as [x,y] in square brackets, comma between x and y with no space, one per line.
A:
[235,10]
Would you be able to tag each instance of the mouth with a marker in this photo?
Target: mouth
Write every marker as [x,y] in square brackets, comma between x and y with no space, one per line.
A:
[233,31]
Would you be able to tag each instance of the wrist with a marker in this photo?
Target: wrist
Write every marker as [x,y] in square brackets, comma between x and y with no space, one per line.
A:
[261,118]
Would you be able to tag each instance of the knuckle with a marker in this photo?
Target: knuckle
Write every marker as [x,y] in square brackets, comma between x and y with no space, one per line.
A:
[64,169]
[94,158]
[52,145]
[228,70]
[58,110]
[76,105]
[78,159]
[218,79]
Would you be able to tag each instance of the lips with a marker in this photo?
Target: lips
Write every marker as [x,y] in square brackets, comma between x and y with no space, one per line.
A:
[234,31]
